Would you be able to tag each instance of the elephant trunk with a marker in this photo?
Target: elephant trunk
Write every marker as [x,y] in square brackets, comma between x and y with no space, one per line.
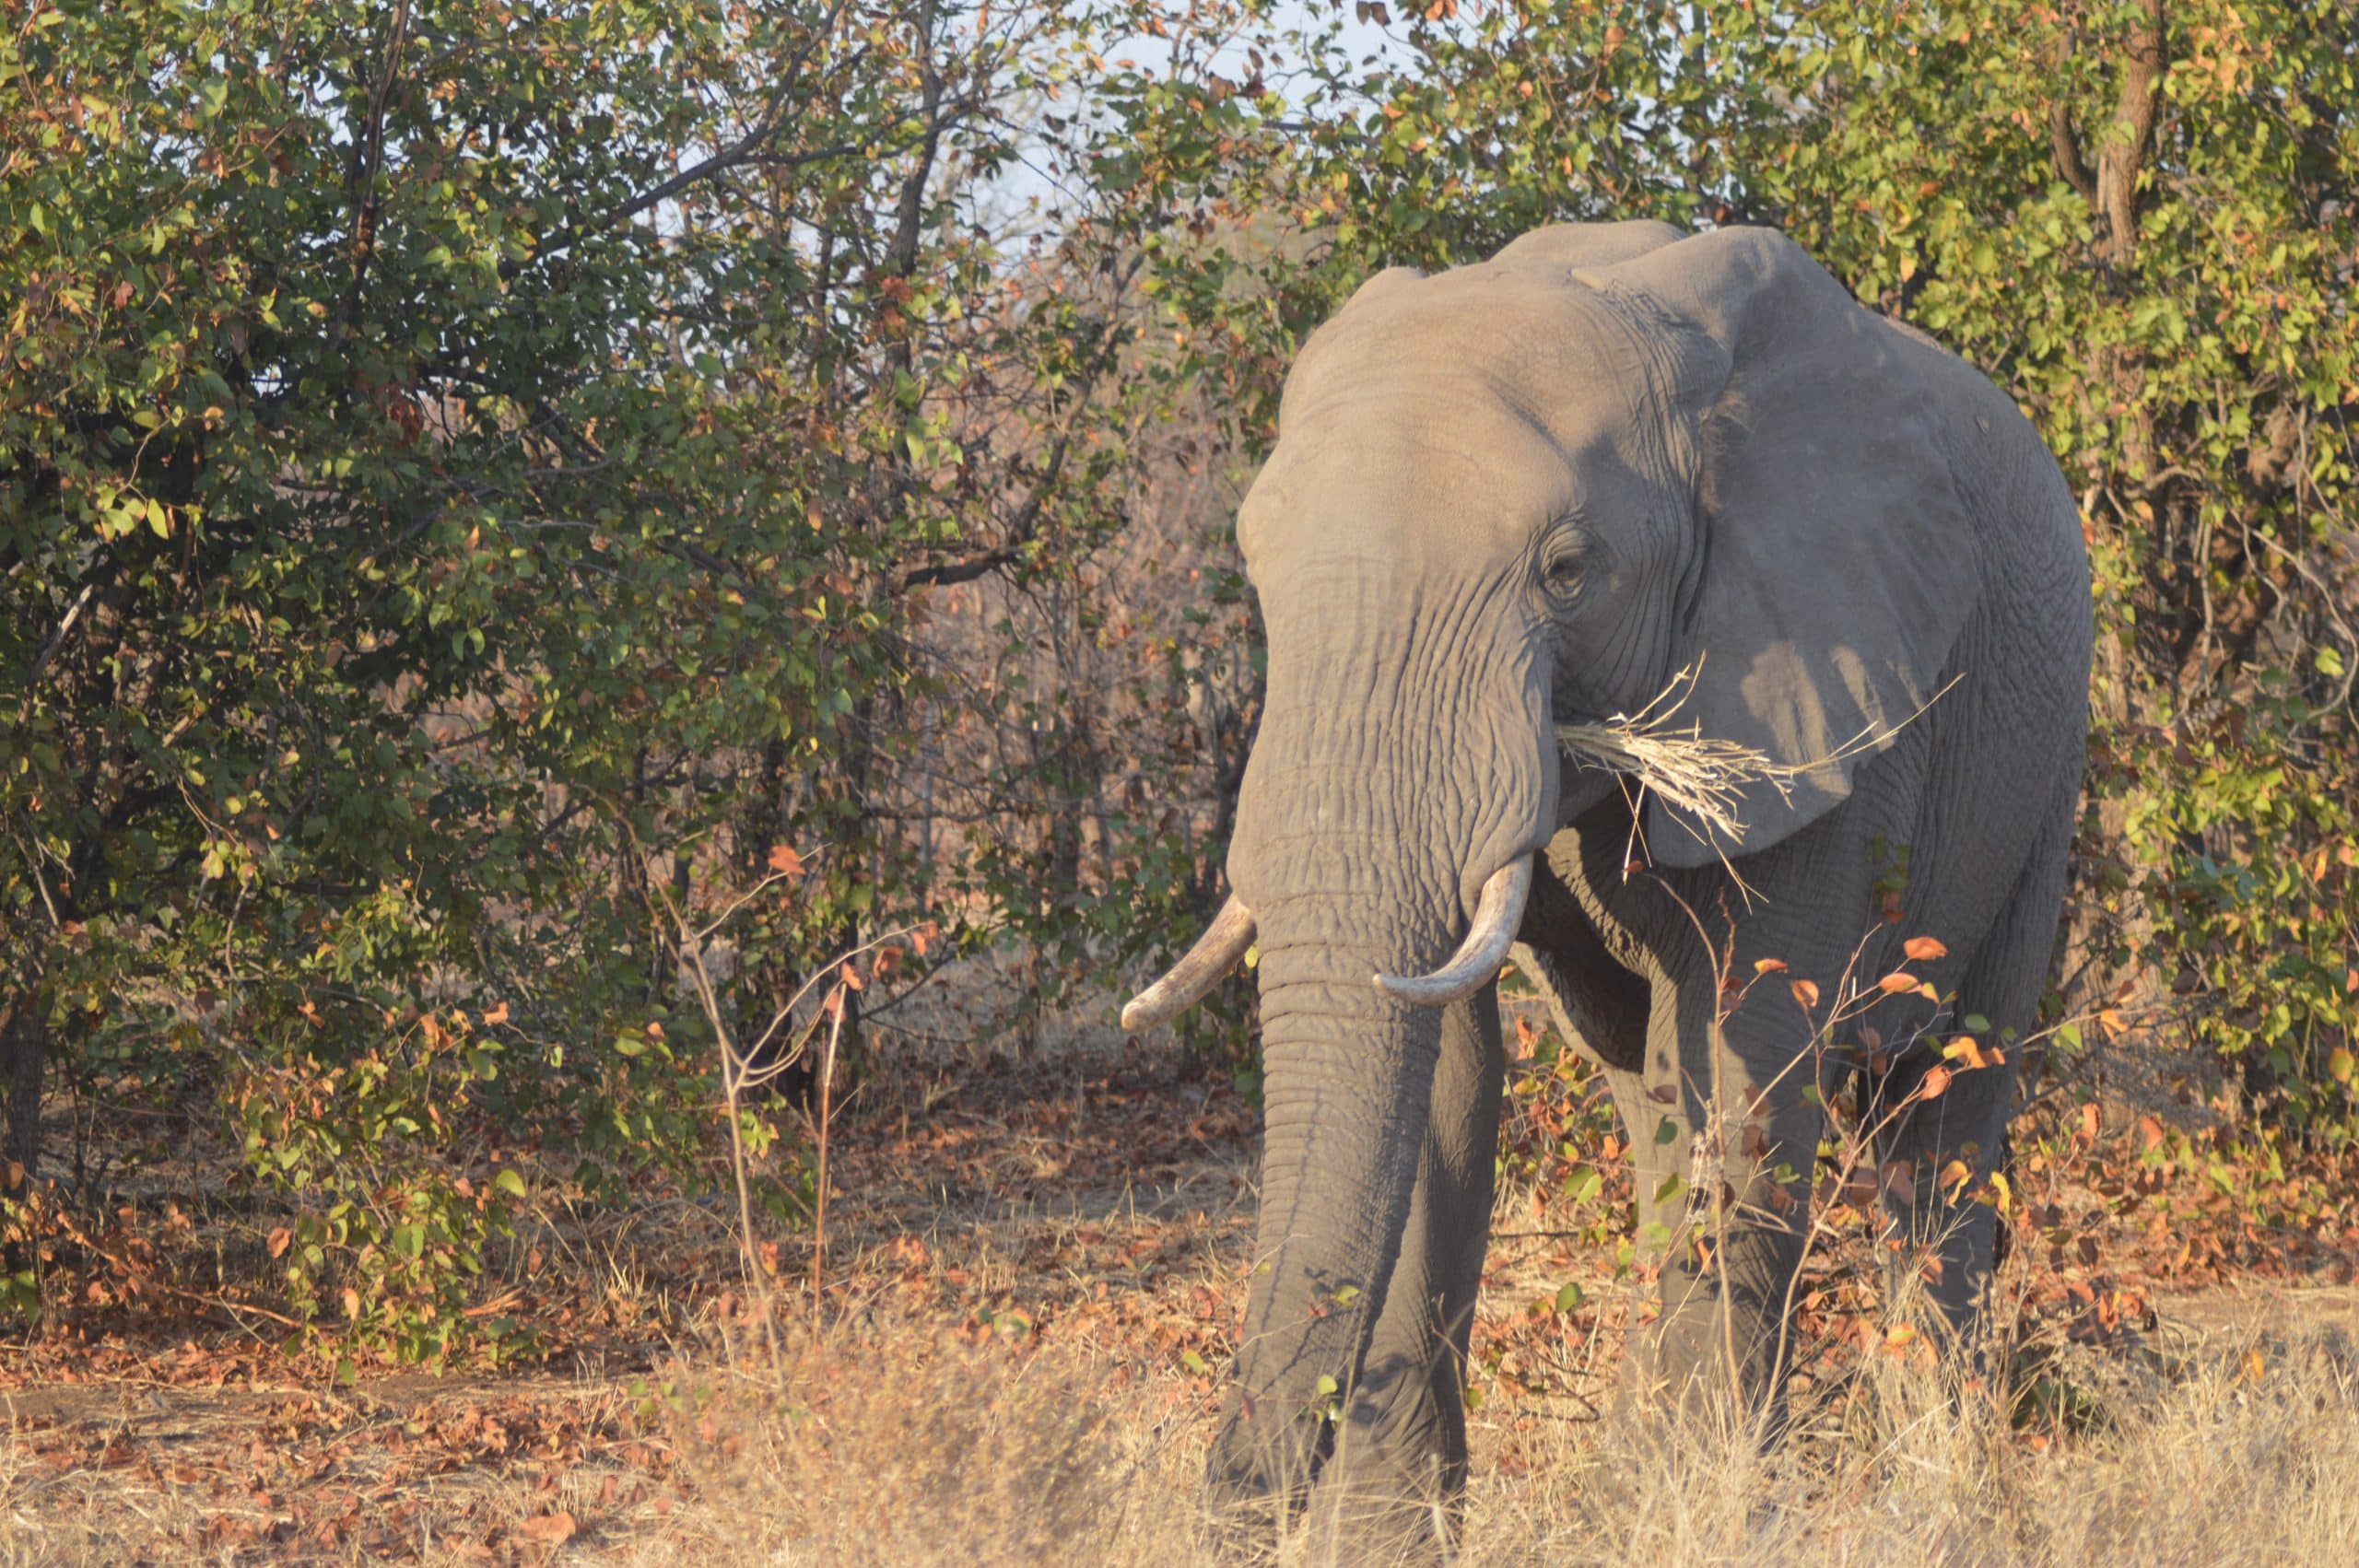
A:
[1347,1074]
[1367,862]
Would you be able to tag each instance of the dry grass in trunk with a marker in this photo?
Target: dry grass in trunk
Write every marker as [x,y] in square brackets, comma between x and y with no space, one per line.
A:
[1704,777]
[898,1448]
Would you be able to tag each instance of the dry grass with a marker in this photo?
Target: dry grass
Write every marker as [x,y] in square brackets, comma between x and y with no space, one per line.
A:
[1032,1281]
[893,1447]
[1703,775]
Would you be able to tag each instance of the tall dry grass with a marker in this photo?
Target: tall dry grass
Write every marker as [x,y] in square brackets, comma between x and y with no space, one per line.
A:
[889,1446]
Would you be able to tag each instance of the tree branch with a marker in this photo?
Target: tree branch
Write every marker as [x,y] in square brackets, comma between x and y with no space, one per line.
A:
[744,149]
[2067,152]
[368,162]
[2124,152]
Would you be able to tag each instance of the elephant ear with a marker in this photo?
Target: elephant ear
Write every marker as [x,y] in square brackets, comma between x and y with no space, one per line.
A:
[1572,245]
[1839,564]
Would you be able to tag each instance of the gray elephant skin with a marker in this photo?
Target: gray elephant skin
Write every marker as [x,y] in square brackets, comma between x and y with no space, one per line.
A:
[1535,491]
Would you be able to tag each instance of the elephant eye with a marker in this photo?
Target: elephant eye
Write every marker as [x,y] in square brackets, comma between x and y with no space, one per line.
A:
[1561,569]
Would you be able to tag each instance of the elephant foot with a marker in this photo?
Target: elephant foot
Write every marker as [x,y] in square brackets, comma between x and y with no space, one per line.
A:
[1390,1491]
[1259,1470]
[1377,1514]
[1382,1485]
[1707,1363]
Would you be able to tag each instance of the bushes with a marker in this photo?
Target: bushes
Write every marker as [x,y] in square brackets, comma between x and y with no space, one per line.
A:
[469,478]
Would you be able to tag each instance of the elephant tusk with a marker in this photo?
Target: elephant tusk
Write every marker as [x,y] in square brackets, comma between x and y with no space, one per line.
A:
[1215,955]
[1476,963]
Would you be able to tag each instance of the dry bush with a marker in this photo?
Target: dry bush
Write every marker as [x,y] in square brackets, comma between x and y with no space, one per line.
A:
[899,1446]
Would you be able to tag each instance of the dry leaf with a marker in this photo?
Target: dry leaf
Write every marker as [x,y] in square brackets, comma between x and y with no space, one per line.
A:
[1806,992]
[784,861]
[1924,949]
[1935,1083]
[499,1014]
[1898,981]
[279,1238]
[552,1530]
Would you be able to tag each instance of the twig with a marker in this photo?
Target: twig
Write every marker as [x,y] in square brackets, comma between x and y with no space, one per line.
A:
[819,1208]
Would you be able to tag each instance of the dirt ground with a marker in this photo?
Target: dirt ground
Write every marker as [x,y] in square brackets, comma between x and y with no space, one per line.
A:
[1086,1208]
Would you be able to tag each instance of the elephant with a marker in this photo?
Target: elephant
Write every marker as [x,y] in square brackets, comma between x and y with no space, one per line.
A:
[1612,462]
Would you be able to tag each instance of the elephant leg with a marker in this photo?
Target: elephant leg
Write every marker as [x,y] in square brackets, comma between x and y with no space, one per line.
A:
[1952,1142]
[1949,1146]
[1721,1160]
[1404,1441]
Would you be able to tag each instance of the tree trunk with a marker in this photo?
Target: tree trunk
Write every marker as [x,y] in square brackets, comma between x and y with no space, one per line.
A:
[24,1043]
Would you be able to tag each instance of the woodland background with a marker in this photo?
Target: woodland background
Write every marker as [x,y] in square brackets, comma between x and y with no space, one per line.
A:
[533,530]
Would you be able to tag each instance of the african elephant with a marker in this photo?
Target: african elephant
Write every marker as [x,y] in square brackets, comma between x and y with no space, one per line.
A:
[1536,491]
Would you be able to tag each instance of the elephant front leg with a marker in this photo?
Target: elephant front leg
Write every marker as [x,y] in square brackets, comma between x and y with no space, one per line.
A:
[1944,1150]
[1721,1163]
[1402,1446]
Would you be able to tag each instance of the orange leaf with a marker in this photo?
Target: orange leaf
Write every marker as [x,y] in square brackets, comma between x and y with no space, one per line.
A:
[1806,992]
[888,960]
[1935,1082]
[1966,1049]
[499,1014]
[550,1529]
[279,1238]
[1769,966]
[1954,1174]
[851,976]
[1898,981]
[351,1303]
[2091,1120]
[1898,1337]
[784,861]
[2152,1131]
[1924,949]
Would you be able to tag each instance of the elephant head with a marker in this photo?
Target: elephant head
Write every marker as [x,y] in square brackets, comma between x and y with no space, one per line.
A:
[1502,496]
